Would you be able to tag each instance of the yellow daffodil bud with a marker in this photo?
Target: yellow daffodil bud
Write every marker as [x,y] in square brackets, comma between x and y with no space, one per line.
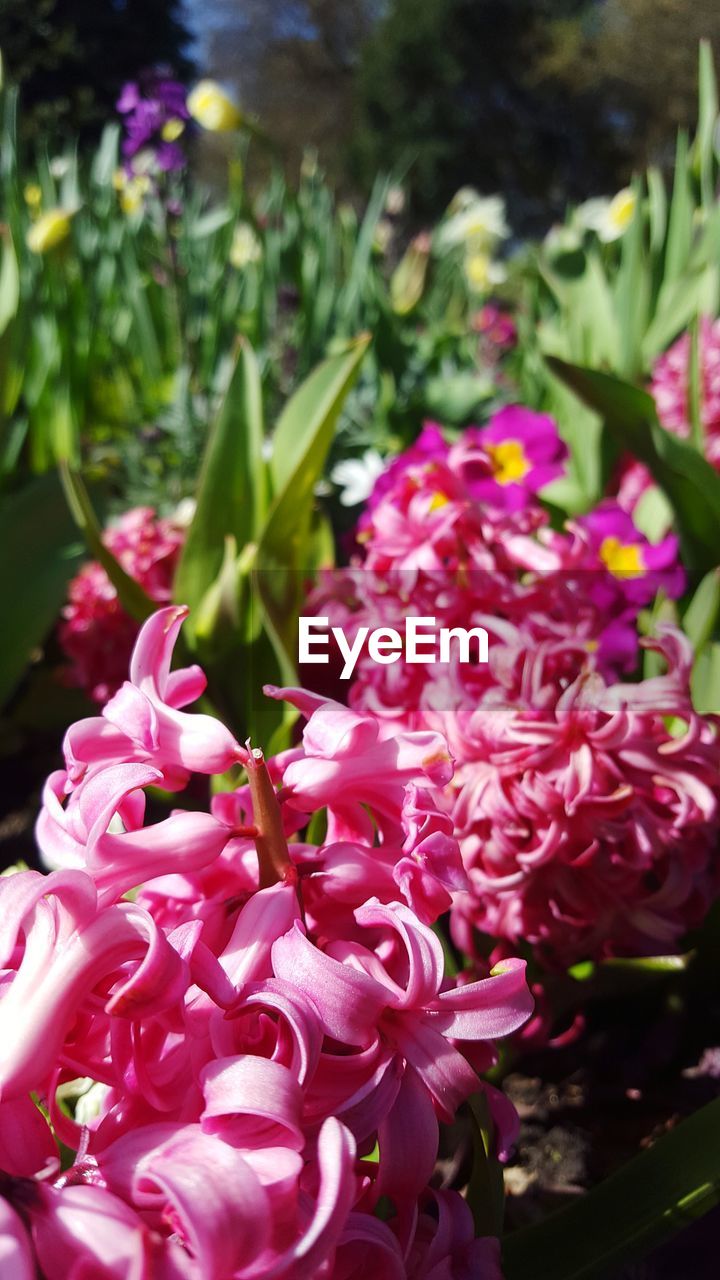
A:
[33,195]
[50,230]
[245,247]
[213,109]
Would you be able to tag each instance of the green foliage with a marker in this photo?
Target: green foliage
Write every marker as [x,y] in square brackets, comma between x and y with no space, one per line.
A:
[256,534]
[46,551]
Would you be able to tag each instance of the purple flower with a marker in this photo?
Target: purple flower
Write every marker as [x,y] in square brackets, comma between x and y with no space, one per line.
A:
[155,112]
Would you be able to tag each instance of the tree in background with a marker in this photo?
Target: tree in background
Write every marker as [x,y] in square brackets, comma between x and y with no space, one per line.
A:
[457,89]
[642,55]
[71,57]
[544,100]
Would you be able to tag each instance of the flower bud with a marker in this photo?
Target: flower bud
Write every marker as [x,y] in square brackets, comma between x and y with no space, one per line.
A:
[50,230]
[213,109]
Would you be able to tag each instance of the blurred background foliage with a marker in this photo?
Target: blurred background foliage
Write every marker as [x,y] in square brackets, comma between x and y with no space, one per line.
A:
[544,100]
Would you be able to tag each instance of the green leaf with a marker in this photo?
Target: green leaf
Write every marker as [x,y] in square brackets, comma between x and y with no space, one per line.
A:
[210,222]
[702,613]
[680,222]
[704,144]
[286,551]
[304,430]
[485,1194]
[632,294]
[691,484]
[705,680]
[41,555]
[648,964]
[645,1203]
[130,594]
[231,492]
[657,208]
[9,280]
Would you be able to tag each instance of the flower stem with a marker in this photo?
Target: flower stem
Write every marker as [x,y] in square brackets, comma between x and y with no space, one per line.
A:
[272,847]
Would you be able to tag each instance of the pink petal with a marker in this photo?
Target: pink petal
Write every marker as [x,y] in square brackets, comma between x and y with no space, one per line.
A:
[349,1002]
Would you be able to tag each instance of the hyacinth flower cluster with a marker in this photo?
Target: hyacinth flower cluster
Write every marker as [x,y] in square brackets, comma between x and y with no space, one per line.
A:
[257,1018]
[96,634]
[586,805]
[670,387]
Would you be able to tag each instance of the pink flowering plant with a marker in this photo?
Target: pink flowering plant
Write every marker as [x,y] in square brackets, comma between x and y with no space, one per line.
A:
[586,805]
[234,1026]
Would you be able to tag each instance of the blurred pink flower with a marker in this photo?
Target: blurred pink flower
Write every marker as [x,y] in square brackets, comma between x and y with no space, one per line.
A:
[670,387]
[96,634]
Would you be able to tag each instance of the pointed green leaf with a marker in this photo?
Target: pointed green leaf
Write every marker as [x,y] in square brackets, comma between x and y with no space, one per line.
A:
[485,1193]
[9,279]
[701,615]
[305,427]
[705,680]
[286,550]
[704,144]
[231,492]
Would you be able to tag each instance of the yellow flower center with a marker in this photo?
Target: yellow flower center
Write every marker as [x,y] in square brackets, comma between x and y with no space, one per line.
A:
[509,461]
[622,209]
[438,500]
[477,269]
[172,129]
[623,559]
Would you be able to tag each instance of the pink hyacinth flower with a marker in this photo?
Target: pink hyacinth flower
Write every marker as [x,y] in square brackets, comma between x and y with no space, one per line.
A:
[143,722]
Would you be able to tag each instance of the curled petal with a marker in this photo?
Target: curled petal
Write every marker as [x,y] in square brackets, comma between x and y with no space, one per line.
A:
[485,1010]
[212,1196]
[349,1002]
[425,961]
[252,1102]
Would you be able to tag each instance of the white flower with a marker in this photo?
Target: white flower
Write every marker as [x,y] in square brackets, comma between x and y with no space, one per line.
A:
[356,477]
[59,167]
[609,219]
[478,222]
[184,513]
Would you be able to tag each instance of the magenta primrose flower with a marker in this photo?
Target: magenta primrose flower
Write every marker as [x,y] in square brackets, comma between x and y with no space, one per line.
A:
[260,1039]
[517,454]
